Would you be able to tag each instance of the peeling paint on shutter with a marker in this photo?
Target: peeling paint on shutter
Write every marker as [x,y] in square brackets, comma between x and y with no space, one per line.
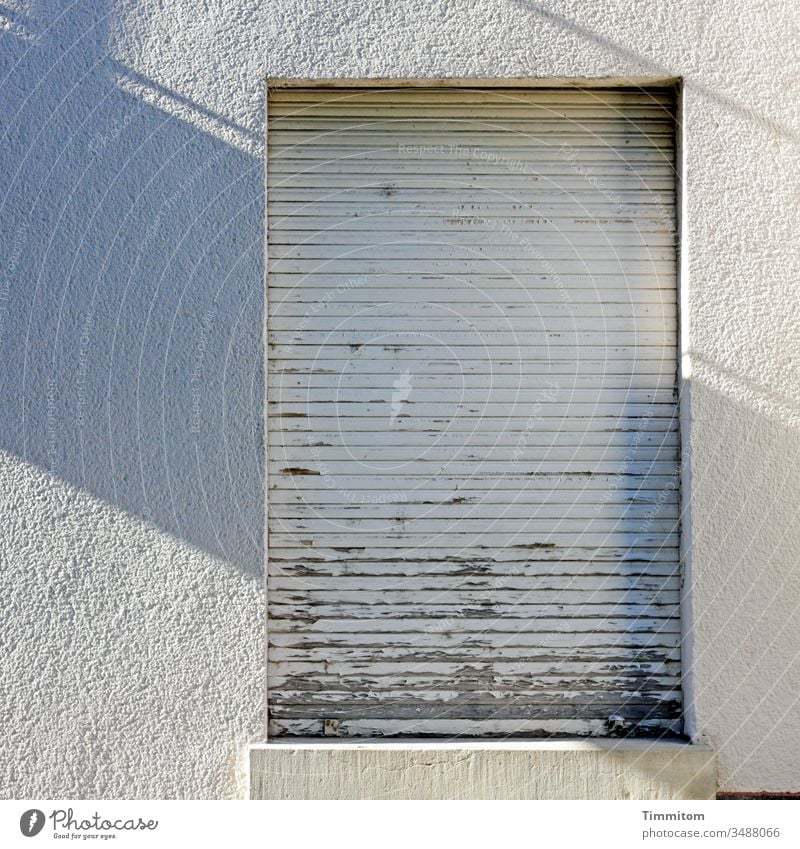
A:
[472,415]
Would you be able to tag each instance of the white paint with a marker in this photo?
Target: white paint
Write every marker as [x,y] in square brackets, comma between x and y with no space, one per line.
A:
[389,598]
[84,88]
[424,769]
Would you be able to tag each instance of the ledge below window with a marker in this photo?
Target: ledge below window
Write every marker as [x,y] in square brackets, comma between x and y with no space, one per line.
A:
[304,768]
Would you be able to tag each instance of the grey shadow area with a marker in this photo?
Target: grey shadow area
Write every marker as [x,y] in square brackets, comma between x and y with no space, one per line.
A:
[131,391]
[132,330]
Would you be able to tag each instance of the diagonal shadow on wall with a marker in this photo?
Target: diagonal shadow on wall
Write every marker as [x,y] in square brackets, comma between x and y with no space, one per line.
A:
[131,336]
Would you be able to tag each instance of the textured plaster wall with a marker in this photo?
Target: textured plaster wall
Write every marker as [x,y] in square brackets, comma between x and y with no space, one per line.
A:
[131,383]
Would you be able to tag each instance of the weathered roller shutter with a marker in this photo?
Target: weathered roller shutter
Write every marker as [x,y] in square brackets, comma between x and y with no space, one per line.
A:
[472,417]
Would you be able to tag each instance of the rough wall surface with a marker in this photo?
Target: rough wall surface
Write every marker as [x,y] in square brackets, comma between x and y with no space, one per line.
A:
[131,396]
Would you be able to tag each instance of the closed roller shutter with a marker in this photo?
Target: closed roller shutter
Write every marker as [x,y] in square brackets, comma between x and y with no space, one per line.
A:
[472,417]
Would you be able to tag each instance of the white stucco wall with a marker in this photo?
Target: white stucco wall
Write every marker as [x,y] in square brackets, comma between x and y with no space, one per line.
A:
[131,385]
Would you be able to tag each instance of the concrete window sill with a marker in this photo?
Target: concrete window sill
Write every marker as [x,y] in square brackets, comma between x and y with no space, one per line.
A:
[486,769]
